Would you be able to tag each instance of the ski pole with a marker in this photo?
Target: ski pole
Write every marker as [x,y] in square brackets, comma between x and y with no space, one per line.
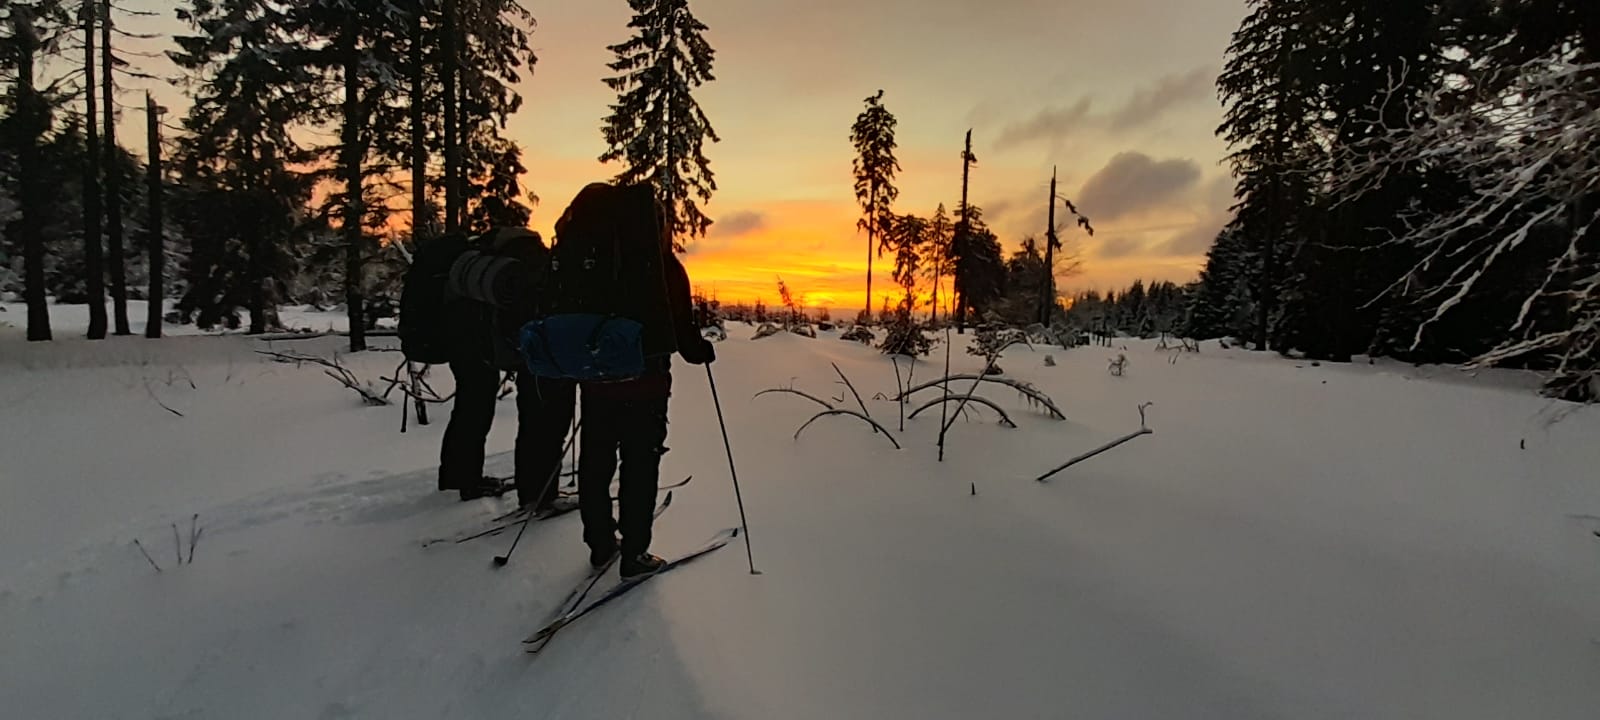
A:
[501,560]
[732,470]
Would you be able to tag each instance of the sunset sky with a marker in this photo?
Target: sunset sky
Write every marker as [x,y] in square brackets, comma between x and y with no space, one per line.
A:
[1120,95]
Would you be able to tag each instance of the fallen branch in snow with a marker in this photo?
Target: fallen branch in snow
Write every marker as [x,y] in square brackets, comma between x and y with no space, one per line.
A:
[1033,394]
[332,369]
[852,387]
[1143,430]
[163,405]
[801,393]
[1004,418]
[851,413]
[194,535]
[146,554]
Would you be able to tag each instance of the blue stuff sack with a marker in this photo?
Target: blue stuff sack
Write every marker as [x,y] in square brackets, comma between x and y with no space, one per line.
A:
[584,347]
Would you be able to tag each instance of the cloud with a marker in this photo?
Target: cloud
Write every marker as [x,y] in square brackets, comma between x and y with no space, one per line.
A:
[739,223]
[1147,105]
[1119,246]
[1196,240]
[996,211]
[1132,182]
[1144,107]
[1048,124]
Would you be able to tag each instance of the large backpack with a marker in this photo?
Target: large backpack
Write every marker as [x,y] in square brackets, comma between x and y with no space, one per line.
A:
[425,309]
[604,301]
[467,296]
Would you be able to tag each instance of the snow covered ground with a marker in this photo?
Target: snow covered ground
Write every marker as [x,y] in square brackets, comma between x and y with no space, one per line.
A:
[1294,541]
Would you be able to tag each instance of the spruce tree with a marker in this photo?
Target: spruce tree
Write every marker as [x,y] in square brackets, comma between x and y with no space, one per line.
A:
[873,136]
[656,127]
[936,254]
[359,58]
[32,33]
[910,237]
[1269,86]
[249,88]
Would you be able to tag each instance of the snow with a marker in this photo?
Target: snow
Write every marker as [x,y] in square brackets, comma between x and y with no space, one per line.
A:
[1302,541]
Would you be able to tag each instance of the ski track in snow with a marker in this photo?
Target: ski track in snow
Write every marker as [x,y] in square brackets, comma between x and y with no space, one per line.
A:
[1294,541]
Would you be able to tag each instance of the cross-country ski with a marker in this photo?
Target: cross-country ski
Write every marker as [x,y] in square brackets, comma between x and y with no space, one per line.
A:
[540,638]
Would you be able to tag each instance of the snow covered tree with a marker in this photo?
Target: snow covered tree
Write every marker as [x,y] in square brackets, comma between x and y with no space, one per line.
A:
[1528,145]
[357,50]
[491,49]
[873,136]
[1269,88]
[656,127]
[249,88]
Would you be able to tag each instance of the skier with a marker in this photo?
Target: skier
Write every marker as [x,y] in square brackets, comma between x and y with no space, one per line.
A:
[629,418]
[483,345]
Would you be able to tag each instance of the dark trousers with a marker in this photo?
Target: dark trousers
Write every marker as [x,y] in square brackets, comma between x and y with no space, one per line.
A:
[632,426]
[544,414]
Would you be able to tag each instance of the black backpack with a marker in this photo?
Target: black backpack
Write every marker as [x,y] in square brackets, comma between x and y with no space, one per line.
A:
[603,307]
[467,296]
[425,309]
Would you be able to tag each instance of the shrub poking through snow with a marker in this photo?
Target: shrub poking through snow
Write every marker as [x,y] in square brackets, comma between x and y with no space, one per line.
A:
[859,333]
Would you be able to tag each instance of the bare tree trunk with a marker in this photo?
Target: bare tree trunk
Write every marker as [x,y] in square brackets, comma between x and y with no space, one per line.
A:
[420,217]
[959,286]
[350,167]
[872,244]
[1267,297]
[92,251]
[117,266]
[452,108]
[32,118]
[254,243]
[1047,298]
[157,243]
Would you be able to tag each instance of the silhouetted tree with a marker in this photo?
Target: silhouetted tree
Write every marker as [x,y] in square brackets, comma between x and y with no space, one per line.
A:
[656,127]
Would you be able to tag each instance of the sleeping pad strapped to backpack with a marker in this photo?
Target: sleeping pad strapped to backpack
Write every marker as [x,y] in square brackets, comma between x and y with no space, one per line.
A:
[467,296]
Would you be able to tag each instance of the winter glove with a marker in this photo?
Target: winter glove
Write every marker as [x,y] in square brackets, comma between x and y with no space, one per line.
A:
[699,351]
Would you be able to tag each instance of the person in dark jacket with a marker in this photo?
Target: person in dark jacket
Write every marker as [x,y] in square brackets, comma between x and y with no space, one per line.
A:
[486,346]
[628,419]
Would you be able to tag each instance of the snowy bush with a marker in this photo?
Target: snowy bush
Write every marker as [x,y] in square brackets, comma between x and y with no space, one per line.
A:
[905,337]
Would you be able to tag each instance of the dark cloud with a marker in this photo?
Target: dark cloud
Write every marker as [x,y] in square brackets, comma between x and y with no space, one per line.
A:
[1132,182]
[1146,106]
[739,223]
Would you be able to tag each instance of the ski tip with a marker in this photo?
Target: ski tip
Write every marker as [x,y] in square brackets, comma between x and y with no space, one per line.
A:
[667,500]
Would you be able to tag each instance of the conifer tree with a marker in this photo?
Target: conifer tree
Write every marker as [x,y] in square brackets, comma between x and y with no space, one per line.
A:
[873,136]
[656,128]
[31,33]
[248,89]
